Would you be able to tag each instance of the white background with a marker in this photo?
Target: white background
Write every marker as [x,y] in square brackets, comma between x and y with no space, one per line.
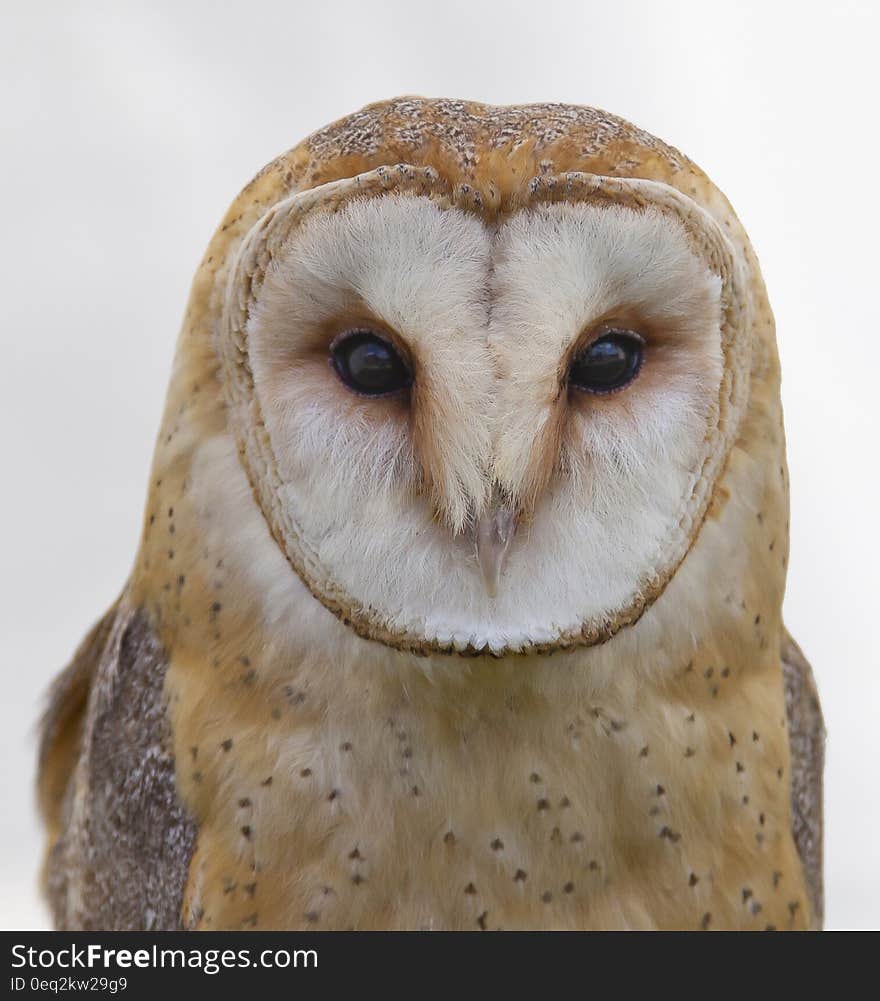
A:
[129,127]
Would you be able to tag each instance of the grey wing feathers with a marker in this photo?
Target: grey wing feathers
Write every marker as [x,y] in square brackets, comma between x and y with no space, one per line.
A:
[120,840]
[62,722]
[806,734]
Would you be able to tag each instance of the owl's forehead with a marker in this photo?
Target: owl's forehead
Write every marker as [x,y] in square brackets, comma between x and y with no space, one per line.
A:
[396,252]
[488,150]
[553,205]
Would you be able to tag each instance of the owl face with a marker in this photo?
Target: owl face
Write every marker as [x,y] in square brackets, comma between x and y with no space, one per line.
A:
[482,433]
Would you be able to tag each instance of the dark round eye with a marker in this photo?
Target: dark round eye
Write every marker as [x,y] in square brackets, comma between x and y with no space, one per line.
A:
[611,362]
[368,364]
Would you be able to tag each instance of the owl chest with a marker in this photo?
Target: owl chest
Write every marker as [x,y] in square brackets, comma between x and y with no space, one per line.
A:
[585,819]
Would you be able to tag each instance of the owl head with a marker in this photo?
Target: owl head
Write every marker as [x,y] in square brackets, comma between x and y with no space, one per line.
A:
[483,368]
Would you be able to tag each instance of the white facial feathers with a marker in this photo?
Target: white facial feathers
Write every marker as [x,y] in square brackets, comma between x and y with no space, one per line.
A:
[381,490]
[420,271]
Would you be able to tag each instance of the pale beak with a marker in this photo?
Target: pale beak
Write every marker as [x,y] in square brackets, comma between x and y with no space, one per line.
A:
[493,533]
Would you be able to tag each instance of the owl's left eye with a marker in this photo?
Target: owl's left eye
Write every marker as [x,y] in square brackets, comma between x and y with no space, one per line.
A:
[369,364]
[608,363]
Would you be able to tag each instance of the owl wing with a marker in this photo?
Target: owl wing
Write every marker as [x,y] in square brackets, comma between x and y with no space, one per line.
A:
[120,840]
[62,723]
[806,734]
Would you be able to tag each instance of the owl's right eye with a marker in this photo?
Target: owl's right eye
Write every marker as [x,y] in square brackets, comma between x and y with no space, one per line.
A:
[369,364]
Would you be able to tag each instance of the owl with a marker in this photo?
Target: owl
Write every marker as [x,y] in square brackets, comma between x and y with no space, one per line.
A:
[457,603]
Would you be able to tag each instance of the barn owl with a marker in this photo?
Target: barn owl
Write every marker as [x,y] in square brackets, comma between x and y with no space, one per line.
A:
[458,598]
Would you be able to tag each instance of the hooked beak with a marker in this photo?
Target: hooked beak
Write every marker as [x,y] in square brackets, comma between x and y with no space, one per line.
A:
[493,534]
